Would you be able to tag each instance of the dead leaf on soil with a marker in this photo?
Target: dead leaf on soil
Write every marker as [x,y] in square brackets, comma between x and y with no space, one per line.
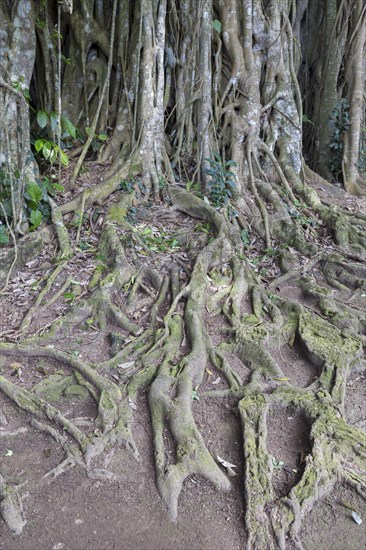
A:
[356,517]
[229,467]
[127,365]
[16,366]
[132,404]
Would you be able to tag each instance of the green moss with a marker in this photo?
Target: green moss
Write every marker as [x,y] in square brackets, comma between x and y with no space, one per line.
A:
[324,342]
[52,387]
[76,391]
[328,307]
[250,319]
[117,212]
[255,332]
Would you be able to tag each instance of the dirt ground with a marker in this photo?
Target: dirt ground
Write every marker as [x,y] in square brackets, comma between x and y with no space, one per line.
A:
[78,513]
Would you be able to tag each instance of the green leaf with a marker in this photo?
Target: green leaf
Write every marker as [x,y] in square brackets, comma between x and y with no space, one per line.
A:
[103,136]
[64,158]
[26,93]
[42,119]
[39,144]
[53,156]
[57,187]
[216,24]
[4,237]
[35,219]
[69,295]
[34,192]
[54,120]
[68,126]
[195,396]
[46,150]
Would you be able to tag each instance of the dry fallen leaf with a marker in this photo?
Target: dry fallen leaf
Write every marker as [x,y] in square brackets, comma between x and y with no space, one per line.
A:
[126,365]
[356,518]
[132,404]
[229,467]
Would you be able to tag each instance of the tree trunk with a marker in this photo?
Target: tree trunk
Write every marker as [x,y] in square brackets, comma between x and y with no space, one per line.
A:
[17,53]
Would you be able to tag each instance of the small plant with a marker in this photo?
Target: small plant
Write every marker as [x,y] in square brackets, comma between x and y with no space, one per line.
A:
[277,464]
[299,214]
[127,185]
[245,237]
[203,228]
[48,148]
[98,139]
[162,182]
[222,184]
[340,122]
[4,237]
[19,86]
[157,240]
[192,185]
[306,120]
[36,195]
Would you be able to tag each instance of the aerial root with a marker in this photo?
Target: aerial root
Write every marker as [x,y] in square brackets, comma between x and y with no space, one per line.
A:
[259,201]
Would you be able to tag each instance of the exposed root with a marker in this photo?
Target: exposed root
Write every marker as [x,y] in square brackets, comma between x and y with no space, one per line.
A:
[152,359]
[11,507]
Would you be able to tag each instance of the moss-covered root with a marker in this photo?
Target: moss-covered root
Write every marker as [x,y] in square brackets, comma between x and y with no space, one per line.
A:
[257,473]
[113,427]
[330,350]
[11,508]
[41,409]
[192,456]
[99,305]
[338,454]
[63,237]
[170,401]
